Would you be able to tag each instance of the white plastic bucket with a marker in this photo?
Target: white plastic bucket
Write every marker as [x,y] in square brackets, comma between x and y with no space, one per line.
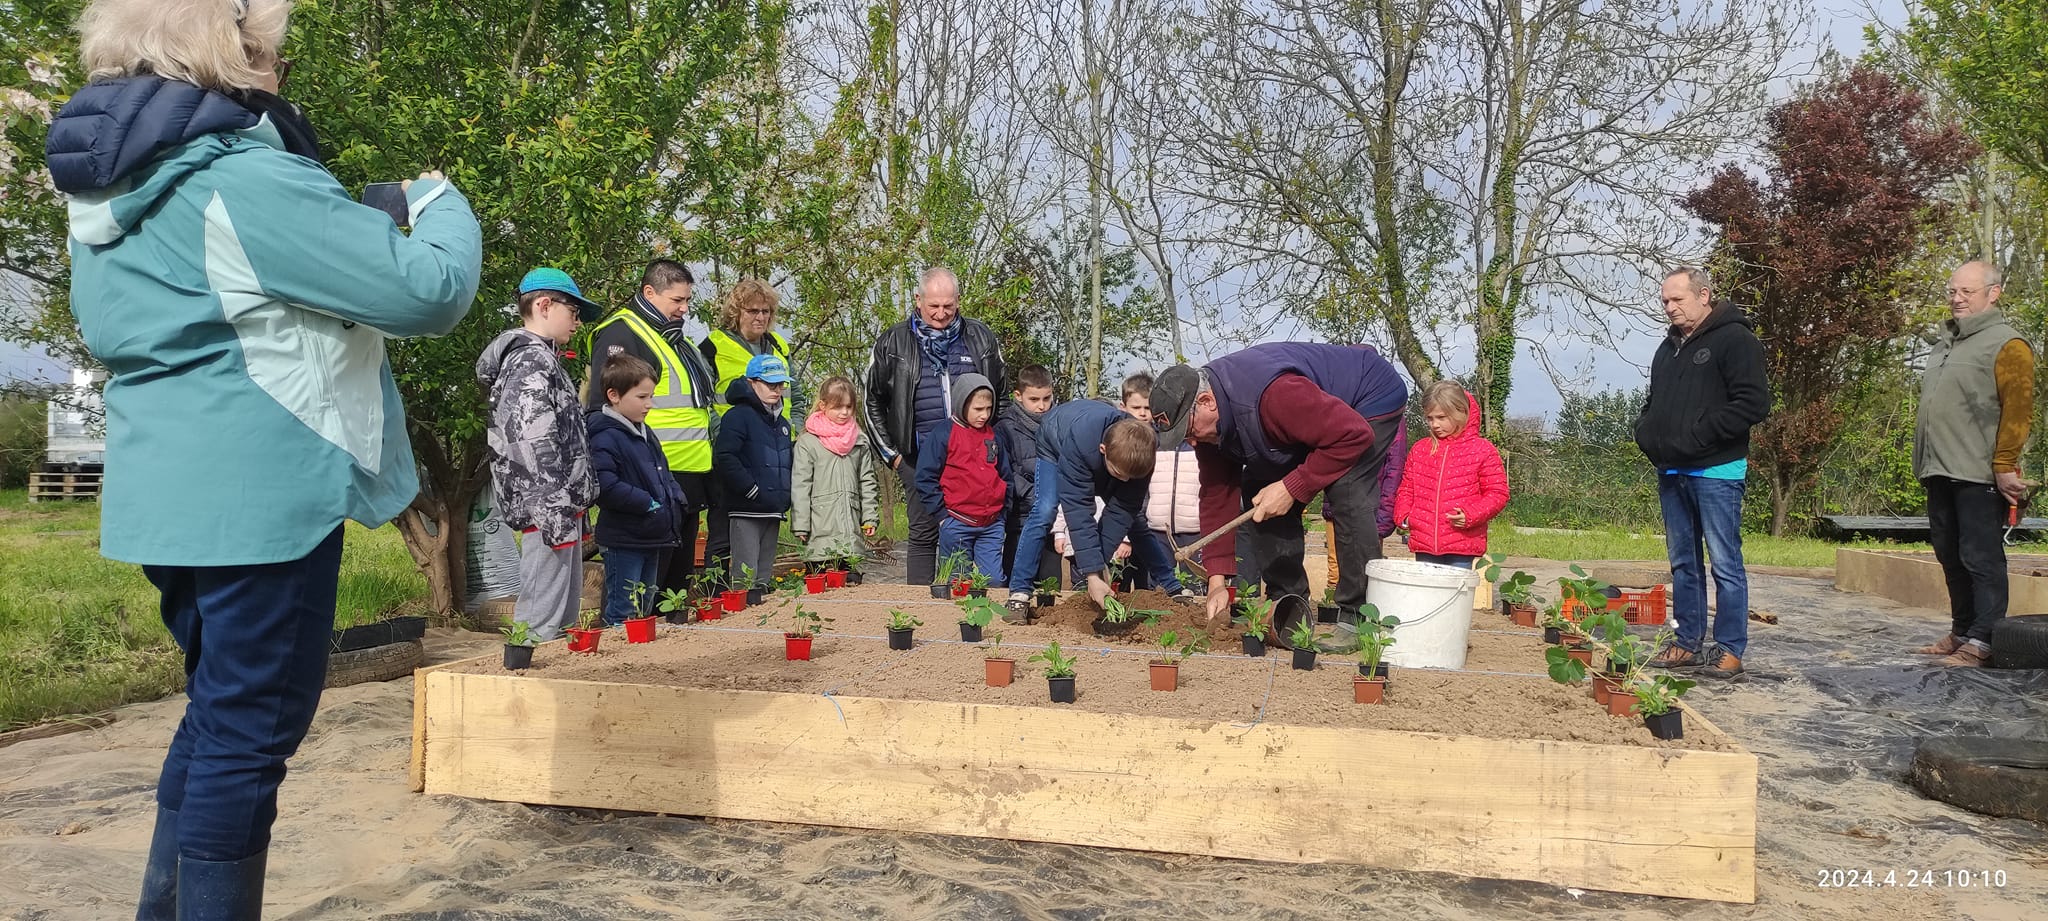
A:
[1434,604]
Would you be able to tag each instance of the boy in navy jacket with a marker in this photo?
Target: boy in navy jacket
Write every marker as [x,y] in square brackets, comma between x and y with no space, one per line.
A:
[754,459]
[640,506]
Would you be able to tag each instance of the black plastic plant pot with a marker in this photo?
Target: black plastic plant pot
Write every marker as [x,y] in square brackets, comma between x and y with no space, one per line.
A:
[756,596]
[1552,635]
[900,639]
[1104,628]
[1305,659]
[1378,671]
[1047,599]
[942,592]
[381,633]
[1253,646]
[970,633]
[1326,613]
[518,657]
[1667,725]
[977,593]
[853,577]
[1062,689]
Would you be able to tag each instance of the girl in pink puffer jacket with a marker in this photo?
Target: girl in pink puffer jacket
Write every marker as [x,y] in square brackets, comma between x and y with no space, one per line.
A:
[1454,482]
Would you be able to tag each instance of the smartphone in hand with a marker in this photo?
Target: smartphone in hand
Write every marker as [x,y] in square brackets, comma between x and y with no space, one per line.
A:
[388,197]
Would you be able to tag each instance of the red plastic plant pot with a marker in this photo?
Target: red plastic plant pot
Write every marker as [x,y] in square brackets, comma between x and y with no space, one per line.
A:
[640,629]
[734,601]
[1368,690]
[835,578]
[960,588]
[1165,677]
[814,584]
[711,608]
[998,672]
[583,640]
[796,647]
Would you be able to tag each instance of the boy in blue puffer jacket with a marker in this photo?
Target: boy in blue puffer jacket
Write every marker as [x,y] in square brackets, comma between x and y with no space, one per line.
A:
[642,505]
[753,459]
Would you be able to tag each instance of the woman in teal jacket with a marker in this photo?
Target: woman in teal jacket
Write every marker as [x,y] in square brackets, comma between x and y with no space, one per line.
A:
[239,299]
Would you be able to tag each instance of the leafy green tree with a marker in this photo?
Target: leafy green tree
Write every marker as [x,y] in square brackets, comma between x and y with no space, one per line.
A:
[1994,55]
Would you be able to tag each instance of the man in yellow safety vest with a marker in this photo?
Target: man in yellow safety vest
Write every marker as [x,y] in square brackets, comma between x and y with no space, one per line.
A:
[682,416]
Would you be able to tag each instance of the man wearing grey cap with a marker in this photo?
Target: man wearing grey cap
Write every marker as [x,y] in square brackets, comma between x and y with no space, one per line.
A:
[1281,422]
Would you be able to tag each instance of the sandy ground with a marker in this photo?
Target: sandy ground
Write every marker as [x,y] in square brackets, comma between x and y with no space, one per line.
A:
[1832,709]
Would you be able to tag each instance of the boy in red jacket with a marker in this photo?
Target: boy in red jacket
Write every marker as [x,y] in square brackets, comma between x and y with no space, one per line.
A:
[963,479]
[1454,482]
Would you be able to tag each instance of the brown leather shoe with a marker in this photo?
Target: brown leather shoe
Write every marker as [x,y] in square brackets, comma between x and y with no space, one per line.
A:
[1944,646]
[1675,656]
[1725,666]
[1968,655]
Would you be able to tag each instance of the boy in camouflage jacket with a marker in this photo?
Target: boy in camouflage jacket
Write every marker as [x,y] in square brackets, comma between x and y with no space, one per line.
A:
[540,454]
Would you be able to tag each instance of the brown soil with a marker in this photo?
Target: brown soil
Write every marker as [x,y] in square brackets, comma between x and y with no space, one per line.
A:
[853,659]
[1075,613]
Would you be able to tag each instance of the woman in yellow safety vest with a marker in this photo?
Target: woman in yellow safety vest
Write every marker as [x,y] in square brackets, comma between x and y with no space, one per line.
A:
[746,328]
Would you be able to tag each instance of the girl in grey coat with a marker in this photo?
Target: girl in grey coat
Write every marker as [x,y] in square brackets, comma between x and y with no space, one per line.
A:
[834,503]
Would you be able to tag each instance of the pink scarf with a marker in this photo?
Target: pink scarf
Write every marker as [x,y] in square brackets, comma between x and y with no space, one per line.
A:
[837,437]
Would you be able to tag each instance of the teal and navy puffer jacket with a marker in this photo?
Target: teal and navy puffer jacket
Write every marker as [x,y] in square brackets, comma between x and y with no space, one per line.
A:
[240,300]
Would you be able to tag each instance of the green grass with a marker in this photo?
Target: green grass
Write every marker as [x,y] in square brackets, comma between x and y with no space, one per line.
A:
[80,633]
[1757,549]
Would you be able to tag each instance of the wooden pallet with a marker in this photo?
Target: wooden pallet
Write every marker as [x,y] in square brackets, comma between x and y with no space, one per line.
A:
[1565,813]
[46,485]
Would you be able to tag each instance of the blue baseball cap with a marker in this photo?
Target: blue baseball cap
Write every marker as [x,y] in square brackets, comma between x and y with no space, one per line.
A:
[767,369]
[558,281]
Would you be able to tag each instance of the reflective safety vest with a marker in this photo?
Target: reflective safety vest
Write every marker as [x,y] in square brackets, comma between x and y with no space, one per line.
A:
[733,356]
[681,418]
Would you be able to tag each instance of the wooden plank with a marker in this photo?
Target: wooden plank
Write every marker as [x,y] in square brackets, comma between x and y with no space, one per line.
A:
[1556,812]
[1916,580]
[416,764]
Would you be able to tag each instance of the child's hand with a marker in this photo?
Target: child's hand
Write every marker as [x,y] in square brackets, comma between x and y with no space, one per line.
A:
[1456,518]
[867,530]
[802,537]
[1123,552]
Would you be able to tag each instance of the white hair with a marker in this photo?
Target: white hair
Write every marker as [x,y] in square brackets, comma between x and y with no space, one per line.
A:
[1990,274]
[1696,276]
[924,280]
[210,43]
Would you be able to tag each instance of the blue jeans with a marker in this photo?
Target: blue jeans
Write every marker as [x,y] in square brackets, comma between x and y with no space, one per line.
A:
[1149,552]
[1700,509]
[983,545]
[1037,528]
[255,639]
[622,568]
[1460,560]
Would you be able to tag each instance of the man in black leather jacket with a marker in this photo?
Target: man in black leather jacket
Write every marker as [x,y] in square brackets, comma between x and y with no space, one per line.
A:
[908,382]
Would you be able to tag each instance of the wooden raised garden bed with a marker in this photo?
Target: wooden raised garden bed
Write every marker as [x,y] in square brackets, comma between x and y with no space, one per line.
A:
[1248,759]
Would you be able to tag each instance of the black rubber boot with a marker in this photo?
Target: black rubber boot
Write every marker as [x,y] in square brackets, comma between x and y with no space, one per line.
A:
[221,890]
[160,875]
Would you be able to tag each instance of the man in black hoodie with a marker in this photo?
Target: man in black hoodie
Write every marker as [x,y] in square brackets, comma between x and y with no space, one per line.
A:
[1707,390]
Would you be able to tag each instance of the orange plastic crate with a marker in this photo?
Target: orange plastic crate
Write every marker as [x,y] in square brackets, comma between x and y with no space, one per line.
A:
[1644,607]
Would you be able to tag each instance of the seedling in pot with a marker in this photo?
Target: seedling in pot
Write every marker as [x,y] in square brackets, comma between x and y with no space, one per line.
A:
[976,613]
[1048,590]
[1304,639]
[851,562]
[1175,650]
[1327,611]
[639,628]
[1563,668]
[1657,700]
[675,603]
[519,643]
[1258,624]
[589,627]
[1375,634]
[1059,672]
[902,629]
[949,584]
[997,669]
[978,582]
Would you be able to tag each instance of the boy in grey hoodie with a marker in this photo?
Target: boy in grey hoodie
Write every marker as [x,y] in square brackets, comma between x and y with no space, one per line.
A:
[540,453]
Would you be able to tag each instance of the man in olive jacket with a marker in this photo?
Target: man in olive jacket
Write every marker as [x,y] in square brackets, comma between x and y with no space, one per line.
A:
[1976,404]
[1707,390]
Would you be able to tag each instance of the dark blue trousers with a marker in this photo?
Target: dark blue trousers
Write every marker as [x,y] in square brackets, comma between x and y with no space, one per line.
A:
[256,640]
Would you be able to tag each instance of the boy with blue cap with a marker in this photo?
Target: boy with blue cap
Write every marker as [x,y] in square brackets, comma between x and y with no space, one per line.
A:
[540,454]
[753,459]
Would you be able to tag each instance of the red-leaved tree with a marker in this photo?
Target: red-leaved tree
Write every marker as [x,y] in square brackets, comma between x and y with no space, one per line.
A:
[1818,251]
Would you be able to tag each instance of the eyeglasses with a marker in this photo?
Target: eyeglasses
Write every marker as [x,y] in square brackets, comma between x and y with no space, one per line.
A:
[1969,292]
[758,312]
